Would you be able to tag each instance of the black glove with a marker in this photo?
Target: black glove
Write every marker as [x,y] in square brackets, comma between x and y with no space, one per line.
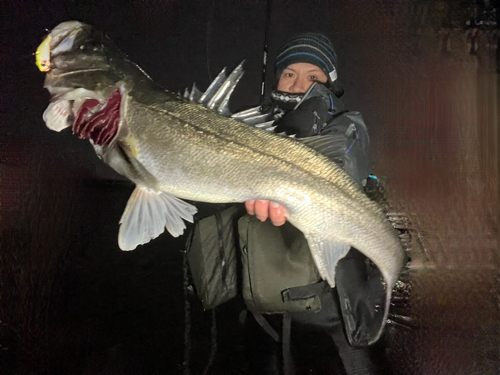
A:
[305,121]
[318,106]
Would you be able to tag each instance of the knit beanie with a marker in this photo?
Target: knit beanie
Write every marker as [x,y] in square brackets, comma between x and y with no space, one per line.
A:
[313,48]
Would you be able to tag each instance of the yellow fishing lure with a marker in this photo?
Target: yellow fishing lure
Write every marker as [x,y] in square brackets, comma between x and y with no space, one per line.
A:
[43,55]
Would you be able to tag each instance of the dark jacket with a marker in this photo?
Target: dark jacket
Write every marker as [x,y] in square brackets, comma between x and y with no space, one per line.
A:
[343,136]
[321,121]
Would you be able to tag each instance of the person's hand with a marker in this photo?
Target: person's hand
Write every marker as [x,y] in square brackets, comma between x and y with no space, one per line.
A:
[263,209]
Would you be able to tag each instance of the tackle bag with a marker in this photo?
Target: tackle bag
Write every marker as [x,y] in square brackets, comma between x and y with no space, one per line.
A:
[277,268]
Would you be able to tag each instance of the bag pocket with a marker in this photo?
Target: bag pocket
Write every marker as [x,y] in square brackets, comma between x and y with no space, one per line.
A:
[211,255]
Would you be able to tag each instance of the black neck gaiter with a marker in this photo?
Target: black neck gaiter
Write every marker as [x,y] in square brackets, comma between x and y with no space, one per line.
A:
[283,102]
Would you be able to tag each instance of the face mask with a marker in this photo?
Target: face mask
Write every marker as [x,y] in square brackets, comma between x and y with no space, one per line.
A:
[284,102]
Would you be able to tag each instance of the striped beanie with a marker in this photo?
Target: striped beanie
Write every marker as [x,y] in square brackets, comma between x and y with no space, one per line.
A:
[313,48]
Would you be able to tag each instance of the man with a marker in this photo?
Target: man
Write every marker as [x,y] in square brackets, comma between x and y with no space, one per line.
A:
[281,285]
[297,68]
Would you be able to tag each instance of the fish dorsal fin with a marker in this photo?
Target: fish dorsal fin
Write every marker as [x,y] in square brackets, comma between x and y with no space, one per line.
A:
[214,86]
[148,213]
[266,125]
[224,92]
[247,113]
[254,117]
[326,256]
[195,94]
[219,92]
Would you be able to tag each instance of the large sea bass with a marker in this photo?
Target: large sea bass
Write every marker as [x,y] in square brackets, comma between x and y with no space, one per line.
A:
[174,149]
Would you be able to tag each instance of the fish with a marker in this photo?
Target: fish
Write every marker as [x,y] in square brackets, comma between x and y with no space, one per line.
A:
[185,148]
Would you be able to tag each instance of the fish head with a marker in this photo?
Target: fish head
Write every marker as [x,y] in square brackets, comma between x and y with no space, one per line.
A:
[87,77]
[82,57]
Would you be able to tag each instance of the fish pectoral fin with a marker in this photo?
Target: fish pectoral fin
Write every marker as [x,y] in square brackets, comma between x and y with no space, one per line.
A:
[326,256]
[148,213]
[58,115]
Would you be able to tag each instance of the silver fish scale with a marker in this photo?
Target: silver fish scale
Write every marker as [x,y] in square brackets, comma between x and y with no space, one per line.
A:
[197,155]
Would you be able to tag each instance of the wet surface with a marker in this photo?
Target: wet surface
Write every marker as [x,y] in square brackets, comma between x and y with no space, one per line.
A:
[426,82]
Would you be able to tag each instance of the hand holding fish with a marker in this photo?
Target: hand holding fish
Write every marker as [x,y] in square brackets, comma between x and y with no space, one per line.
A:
[264,209]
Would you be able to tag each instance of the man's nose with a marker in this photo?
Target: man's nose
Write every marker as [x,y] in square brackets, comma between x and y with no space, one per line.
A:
[298,86]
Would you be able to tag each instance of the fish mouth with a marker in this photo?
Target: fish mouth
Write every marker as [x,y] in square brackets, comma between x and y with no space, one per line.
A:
[91,115]
[61,39]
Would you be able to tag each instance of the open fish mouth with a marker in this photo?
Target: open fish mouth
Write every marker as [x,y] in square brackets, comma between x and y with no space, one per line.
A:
[74,64]
[91,115]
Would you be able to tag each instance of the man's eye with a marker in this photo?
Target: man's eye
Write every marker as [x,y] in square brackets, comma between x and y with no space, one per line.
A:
[314,78]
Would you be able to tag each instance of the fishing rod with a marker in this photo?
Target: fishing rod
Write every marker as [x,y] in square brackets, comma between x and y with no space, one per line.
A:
[264,61]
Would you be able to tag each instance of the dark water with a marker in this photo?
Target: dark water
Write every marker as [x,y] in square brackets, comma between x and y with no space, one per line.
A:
[425,79]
